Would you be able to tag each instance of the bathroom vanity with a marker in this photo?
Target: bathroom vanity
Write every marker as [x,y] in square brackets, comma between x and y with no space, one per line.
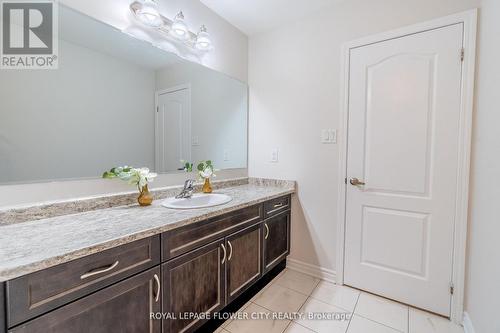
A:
[183,262]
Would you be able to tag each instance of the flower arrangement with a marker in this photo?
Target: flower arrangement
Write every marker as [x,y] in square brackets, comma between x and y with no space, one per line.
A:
[140,177]
[206,170]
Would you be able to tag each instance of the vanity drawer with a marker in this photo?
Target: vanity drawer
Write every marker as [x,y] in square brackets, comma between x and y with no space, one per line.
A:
[40,292]
[276,206]
[185,239]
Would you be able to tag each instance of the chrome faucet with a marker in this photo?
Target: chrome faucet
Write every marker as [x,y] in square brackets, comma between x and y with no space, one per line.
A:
[187,191]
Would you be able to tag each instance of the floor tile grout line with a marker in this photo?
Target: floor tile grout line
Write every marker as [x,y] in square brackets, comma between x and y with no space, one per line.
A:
[286,327]
[243,308]
[307,328]
[352,313]
[300,292]
[372,320]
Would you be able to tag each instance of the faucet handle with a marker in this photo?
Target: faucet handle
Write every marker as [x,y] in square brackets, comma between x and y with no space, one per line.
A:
[188,184]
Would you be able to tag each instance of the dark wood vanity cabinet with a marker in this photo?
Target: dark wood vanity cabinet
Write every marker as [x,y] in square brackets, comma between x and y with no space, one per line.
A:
[3,313]
[193,283]
[276,239]
[196,269]
[244,260]
[120,308]
[45,290]
[206,279]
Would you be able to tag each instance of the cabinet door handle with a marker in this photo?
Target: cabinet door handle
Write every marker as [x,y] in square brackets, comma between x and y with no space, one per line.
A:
[278,205]
[158,287]
[230,250]
[267,230]
[224,250]
[100,270]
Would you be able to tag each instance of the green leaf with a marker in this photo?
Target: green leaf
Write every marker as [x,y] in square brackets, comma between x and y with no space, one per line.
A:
[201,166]
[108,175]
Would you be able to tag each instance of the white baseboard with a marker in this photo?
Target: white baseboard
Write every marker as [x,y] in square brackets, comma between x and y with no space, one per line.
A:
[316,271]
[468,328]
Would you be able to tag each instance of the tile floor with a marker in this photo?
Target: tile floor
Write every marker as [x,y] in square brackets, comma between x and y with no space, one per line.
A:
[292,291]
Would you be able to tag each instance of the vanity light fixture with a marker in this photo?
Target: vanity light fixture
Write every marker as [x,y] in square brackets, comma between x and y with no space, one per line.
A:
[146,11]
[148,14]
[203,39]
[179,28]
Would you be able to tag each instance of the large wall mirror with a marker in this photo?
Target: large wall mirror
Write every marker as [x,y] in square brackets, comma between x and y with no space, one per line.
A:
[116,100]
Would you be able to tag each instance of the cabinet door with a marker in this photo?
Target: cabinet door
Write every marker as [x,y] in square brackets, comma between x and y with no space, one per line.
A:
[244,260]
[123,307]
[194,283]
[276,239]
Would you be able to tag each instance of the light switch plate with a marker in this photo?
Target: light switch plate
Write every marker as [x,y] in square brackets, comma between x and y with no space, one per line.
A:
[274,155]
[333,136]
[226,155]
[328,136]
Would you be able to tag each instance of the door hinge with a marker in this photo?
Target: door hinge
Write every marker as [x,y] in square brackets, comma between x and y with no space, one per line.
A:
[157,109]
[345,181]
[452,288]
[462,54]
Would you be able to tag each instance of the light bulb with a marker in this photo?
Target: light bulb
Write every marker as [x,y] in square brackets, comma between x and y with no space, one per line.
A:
[203,39]
[149,15]
[179,28]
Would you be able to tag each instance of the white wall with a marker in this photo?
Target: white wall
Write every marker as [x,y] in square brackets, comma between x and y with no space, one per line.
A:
[230,45]
[294,75]
[219,109]
[483,273]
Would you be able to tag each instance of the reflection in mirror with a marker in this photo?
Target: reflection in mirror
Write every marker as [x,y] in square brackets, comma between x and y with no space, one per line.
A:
[116,100]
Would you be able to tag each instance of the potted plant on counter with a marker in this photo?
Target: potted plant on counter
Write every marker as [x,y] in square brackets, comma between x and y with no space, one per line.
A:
[140,177]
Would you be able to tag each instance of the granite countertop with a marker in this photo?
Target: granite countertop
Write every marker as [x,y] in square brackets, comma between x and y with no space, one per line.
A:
[35,245]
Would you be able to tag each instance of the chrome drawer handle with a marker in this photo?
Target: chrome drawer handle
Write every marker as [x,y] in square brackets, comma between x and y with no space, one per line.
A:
[99,270]
[230,250]
[223,249]
[158,287]
[267,230]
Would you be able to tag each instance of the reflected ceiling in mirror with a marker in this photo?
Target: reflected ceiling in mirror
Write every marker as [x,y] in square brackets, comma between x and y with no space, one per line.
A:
[116,100]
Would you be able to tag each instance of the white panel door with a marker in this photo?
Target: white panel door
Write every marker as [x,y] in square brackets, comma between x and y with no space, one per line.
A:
[173,130]
[404,108]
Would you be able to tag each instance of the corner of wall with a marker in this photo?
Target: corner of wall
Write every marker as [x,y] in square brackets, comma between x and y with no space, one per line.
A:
[468,328]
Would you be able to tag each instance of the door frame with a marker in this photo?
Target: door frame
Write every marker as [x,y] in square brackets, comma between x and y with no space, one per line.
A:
[157,96]
[469,20]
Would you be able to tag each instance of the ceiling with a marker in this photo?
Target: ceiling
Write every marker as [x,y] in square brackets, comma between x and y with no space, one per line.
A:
[255,16]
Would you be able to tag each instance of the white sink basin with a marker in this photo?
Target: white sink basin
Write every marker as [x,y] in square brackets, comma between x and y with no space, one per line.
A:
[199,200]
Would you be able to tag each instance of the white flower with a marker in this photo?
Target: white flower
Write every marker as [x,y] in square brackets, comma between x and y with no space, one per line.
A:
[206,173]
[144,176]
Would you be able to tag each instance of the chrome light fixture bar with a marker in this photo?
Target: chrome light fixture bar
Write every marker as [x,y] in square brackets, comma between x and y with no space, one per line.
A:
[146,12]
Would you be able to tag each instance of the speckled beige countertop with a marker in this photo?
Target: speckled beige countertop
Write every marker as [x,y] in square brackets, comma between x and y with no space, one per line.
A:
[34,245]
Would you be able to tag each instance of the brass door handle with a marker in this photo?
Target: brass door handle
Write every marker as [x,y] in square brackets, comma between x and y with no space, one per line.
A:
[99,270]
[267,231]
[356,182]
[158,288]
[224,250]
[230,250]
